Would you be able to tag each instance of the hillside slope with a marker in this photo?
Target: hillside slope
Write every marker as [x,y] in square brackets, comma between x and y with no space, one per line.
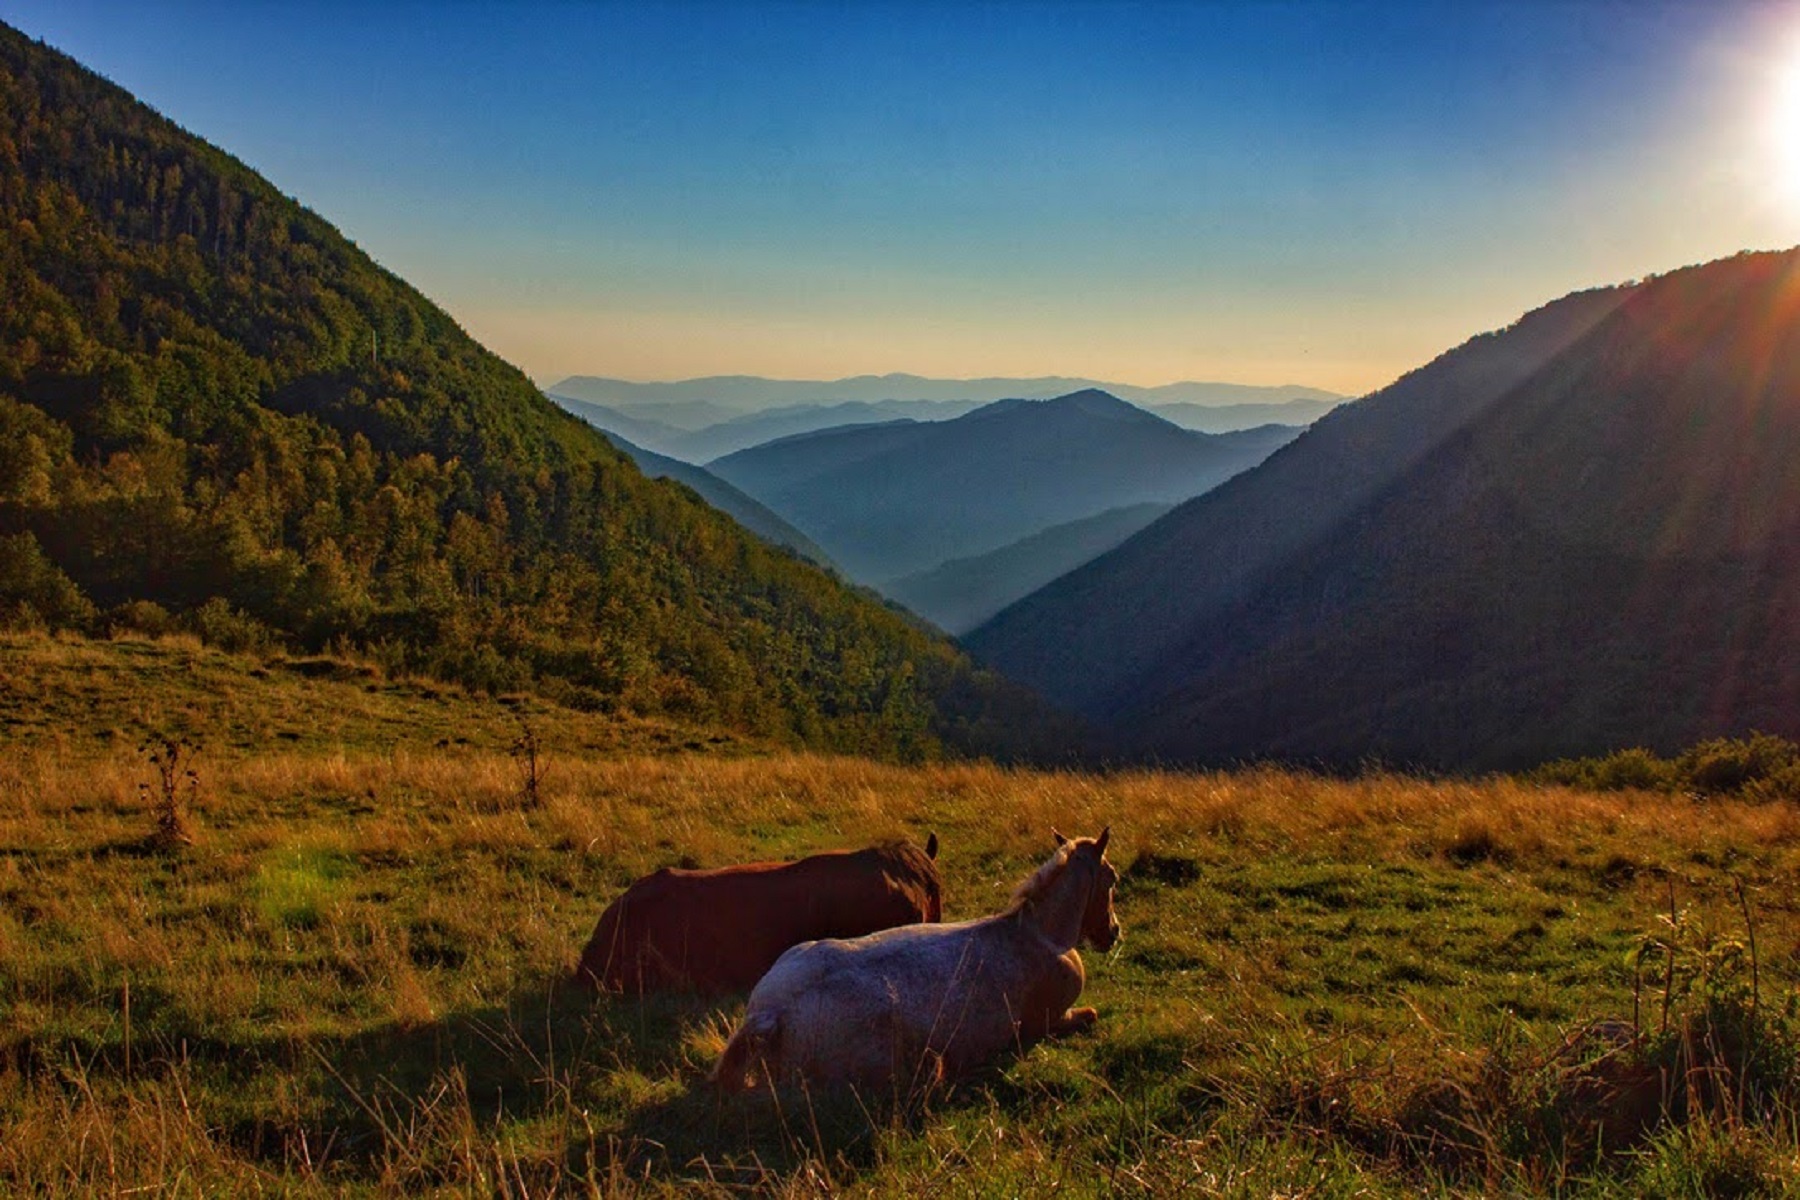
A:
[1609,557]
[958,595]
[1088,639]
[1601,549]
[890,500]
[733,502]
[216,412]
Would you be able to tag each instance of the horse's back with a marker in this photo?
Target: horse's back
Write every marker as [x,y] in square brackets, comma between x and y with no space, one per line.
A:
[722,929]
[857,1009]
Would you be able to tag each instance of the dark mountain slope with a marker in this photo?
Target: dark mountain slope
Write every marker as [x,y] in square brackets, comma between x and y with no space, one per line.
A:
[889,500]
[960,594]
[216,412]
[802,458]
[746,511]
[1610,557]
[1088,639]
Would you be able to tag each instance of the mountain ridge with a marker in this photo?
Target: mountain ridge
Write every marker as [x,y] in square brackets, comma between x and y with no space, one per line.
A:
[889,500]
[1135,603]
[1603,553]
[748,392]
[701,430]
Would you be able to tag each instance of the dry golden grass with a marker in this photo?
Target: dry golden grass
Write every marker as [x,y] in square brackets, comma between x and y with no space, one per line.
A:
[351,979]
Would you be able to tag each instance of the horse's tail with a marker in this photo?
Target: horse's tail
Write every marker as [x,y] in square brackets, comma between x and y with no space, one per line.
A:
[753,1042]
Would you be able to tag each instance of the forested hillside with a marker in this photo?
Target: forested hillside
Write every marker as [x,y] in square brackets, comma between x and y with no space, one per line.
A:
[1088,639]
[1576,536]
[216,413]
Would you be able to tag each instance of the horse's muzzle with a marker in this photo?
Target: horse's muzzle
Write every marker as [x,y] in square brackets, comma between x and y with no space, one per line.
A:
[1113,934]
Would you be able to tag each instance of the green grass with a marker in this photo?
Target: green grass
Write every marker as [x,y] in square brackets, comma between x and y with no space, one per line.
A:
[353,981]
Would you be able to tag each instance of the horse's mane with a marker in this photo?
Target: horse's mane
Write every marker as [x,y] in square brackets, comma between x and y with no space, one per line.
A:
[1038,880]
[909,854]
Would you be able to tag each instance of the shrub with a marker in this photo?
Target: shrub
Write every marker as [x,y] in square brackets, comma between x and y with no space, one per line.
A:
[1622,770]
[1729,765]
[1761,766]
[141,616]
[228,628]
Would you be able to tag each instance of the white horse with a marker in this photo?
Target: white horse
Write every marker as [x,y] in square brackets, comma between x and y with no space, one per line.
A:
[907,1007]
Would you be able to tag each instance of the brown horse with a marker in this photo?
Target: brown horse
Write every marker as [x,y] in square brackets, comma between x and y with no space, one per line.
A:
[906,1007]
[719,930]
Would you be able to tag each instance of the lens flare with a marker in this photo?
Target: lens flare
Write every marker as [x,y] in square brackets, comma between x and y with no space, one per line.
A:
[1787,126]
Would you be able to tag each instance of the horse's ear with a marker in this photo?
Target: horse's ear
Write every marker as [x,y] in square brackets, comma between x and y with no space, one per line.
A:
[1105,836]
[1057,834]
[931,846]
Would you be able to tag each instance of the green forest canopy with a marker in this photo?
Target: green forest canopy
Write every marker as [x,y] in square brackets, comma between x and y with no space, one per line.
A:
[216,413]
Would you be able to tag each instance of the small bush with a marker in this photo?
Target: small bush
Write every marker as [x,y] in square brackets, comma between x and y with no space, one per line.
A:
[141,616]
[1761,766]
[231,629]
[1729,765]
[1622,770]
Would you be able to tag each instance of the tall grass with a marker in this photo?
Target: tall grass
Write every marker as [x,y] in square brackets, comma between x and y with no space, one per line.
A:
[353,979]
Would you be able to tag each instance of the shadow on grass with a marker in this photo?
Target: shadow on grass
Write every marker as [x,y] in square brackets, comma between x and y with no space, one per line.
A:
[606,1089]
[555,1085]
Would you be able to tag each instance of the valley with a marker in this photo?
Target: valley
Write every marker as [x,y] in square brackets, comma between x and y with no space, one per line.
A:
[1446,741]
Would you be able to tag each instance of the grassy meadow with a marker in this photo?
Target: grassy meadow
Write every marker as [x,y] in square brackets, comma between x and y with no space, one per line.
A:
[352,979]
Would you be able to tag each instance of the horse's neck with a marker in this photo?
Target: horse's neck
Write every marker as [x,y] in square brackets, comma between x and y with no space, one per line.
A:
[1056,911]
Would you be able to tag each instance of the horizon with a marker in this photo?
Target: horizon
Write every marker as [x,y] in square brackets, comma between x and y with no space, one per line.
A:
[547,381]
[1319,195]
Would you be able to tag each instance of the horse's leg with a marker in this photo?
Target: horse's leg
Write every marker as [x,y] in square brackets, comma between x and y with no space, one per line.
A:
[1076,1020]
[752,1048]
[1047,1011]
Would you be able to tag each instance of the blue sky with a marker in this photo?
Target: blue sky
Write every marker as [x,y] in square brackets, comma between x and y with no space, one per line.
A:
[1316,193]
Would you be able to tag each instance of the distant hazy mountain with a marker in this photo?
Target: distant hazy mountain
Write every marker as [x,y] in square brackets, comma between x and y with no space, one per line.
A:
[641,432]
[695,403]
[888,500]
[1088,640]
[739,433]
[703,419]
[1224,418]
[1598,547]
[962,593]
[746,511]
[678,411]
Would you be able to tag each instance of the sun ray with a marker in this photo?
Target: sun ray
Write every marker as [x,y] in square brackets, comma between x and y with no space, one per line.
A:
[1785,125]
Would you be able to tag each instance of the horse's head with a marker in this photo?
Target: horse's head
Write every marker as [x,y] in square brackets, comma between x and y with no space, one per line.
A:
[1099,924]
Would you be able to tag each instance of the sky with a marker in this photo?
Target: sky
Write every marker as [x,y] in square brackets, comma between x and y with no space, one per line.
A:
[1326,194]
